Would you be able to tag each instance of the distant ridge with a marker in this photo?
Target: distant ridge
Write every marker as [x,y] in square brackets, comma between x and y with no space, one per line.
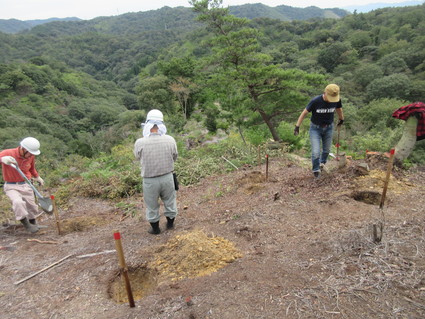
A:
[250,11]
[15,26]
[373,6]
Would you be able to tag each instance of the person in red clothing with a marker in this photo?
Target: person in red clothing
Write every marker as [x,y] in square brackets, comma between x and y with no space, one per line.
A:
[18,191]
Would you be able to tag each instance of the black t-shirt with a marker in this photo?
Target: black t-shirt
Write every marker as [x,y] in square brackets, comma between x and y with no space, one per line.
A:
[322,111]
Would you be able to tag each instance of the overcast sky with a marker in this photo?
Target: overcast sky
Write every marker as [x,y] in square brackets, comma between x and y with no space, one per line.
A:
[89,9]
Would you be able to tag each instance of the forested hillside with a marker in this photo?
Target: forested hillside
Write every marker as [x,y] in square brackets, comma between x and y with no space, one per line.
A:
[167,17]
[15,26]
[84,86]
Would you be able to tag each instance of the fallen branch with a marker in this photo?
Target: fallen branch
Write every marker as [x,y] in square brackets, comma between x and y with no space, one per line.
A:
[229,162]
[42,241]
[40,271]
[124,217]
[95,254]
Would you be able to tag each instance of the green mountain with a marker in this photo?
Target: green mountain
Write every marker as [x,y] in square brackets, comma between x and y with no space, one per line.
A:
[285,13]
[15,26]
[168,18]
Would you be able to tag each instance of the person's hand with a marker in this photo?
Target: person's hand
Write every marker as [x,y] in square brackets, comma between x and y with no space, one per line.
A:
[8,160]
[39,180]
[296,130]
[340,122]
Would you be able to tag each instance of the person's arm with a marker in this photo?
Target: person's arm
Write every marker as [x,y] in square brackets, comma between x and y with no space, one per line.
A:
[300,120]
[340,115]
[137,151]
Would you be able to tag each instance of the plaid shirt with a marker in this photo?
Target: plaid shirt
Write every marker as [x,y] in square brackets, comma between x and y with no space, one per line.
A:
[156,153]
[414,109]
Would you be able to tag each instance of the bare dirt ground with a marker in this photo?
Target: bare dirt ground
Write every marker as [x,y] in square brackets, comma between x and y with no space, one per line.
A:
[243,247]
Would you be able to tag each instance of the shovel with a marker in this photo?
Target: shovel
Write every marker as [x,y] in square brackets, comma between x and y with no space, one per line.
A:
[44,202]
[338,128]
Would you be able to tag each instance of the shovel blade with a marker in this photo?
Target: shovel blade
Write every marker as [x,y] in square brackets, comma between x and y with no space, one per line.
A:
[46,204]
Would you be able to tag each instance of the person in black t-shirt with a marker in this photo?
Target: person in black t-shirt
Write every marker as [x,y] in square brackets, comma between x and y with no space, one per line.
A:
[322,108]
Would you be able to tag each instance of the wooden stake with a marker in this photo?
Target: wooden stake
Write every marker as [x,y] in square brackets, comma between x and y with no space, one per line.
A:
[259,156]
[123,268]
[55,211]
[378,229]
[387,178]
[267,167]
[40,271]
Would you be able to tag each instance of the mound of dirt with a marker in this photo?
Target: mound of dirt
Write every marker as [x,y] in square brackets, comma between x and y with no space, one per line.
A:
[193,254]
[375,181]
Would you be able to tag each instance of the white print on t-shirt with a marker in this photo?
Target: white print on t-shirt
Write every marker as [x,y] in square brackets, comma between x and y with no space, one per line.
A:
[325,110]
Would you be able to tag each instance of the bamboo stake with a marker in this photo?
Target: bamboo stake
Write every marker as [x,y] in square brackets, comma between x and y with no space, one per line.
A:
[267,167]
[55,211]
[44,269]
[123,268]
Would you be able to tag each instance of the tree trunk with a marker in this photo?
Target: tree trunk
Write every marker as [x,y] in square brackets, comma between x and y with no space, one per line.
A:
[408,140]
[272,129]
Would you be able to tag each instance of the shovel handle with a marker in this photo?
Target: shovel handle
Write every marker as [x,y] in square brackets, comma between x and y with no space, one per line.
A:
[26,178]
[338,129]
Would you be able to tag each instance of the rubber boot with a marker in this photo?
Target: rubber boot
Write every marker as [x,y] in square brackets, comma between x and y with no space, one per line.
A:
[170,223]
[32,221]
[29,227]
[155,230]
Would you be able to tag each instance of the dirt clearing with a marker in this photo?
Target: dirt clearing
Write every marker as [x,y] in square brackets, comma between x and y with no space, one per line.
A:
[243,247]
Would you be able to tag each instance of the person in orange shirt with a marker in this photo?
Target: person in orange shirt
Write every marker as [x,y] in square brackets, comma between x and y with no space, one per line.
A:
[15,187]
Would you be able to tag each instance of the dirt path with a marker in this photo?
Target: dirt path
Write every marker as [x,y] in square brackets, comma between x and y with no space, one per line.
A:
[291,247]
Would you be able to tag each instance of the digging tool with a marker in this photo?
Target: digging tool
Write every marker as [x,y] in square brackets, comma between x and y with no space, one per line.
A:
[44,202]
[338,129]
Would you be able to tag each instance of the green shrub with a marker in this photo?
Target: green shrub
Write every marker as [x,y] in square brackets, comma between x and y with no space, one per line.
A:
[286,133]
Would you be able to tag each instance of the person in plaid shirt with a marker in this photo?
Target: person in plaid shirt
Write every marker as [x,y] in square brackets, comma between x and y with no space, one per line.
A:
[415,109]
[157,153]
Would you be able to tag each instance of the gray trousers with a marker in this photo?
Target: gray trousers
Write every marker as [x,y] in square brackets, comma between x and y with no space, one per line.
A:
[155,188]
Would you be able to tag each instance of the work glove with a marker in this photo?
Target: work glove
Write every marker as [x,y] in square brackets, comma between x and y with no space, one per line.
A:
[340,122]
[8,160]
[39,180]
[296,130]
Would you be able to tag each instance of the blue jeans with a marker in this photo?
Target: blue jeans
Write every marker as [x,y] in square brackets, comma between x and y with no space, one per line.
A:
[320,135]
